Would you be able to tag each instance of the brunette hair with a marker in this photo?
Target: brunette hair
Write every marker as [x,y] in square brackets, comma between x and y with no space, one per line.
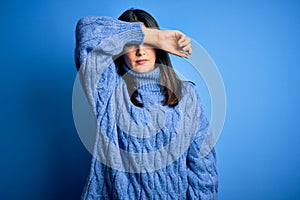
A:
[171,85]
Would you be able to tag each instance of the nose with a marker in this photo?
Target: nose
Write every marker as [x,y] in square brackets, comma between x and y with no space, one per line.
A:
[140,51]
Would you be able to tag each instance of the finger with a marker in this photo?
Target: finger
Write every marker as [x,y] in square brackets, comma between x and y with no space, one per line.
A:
[179,53]
[182,40]
[190,51]
[185,42]
[187,49]
[183,54]
[182,43]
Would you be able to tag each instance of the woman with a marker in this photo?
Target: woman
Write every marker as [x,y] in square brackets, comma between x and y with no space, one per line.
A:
[150,123]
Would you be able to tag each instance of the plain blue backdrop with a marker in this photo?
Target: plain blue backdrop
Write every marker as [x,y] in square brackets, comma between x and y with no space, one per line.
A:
[255,45]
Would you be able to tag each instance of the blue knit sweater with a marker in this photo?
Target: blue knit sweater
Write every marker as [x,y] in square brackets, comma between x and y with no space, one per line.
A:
[140,153]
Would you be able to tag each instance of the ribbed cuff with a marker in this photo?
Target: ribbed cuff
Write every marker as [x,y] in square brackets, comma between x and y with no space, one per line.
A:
[133,35]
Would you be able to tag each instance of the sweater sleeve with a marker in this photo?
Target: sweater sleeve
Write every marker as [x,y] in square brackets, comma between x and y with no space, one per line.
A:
[202,172]
[98,40]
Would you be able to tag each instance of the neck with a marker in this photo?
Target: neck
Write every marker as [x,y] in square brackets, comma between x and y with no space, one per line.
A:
[147,80]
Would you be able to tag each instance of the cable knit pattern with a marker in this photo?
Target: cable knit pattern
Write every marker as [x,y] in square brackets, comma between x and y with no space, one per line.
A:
[140,153]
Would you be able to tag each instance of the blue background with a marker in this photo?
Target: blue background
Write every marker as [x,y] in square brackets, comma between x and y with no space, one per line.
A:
[255,45]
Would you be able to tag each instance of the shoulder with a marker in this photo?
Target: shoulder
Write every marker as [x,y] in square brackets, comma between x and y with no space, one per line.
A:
[190,93]
[189,88]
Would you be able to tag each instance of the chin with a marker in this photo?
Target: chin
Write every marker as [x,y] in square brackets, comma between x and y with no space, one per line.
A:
[143,69]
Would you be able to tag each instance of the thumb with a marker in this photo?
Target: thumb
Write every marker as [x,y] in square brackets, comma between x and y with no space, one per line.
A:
[180,53]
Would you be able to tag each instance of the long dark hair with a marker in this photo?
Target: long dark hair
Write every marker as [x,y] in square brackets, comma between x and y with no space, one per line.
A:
[171,85]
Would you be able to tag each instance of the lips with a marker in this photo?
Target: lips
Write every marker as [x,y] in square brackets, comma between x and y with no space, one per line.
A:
[141,61]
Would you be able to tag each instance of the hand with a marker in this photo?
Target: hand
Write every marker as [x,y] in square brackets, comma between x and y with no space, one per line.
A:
[172,41]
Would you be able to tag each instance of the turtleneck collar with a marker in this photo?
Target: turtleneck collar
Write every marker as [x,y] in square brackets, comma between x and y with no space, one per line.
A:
[149,81]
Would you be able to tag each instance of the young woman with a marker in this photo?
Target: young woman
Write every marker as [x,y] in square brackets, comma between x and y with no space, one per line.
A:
[150,123]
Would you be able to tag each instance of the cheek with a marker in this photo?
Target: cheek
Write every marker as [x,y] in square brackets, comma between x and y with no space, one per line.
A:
[152,55]
[128,58]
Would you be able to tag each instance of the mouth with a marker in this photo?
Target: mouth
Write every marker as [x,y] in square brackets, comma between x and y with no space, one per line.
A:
[141,62]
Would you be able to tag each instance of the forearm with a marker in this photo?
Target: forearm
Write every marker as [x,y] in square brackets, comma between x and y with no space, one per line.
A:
[151,36]
[171,41]
[106,34]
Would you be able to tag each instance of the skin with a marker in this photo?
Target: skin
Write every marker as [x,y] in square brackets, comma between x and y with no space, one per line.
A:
[141,58]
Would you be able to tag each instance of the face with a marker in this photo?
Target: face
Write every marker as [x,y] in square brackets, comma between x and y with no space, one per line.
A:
[140,58]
